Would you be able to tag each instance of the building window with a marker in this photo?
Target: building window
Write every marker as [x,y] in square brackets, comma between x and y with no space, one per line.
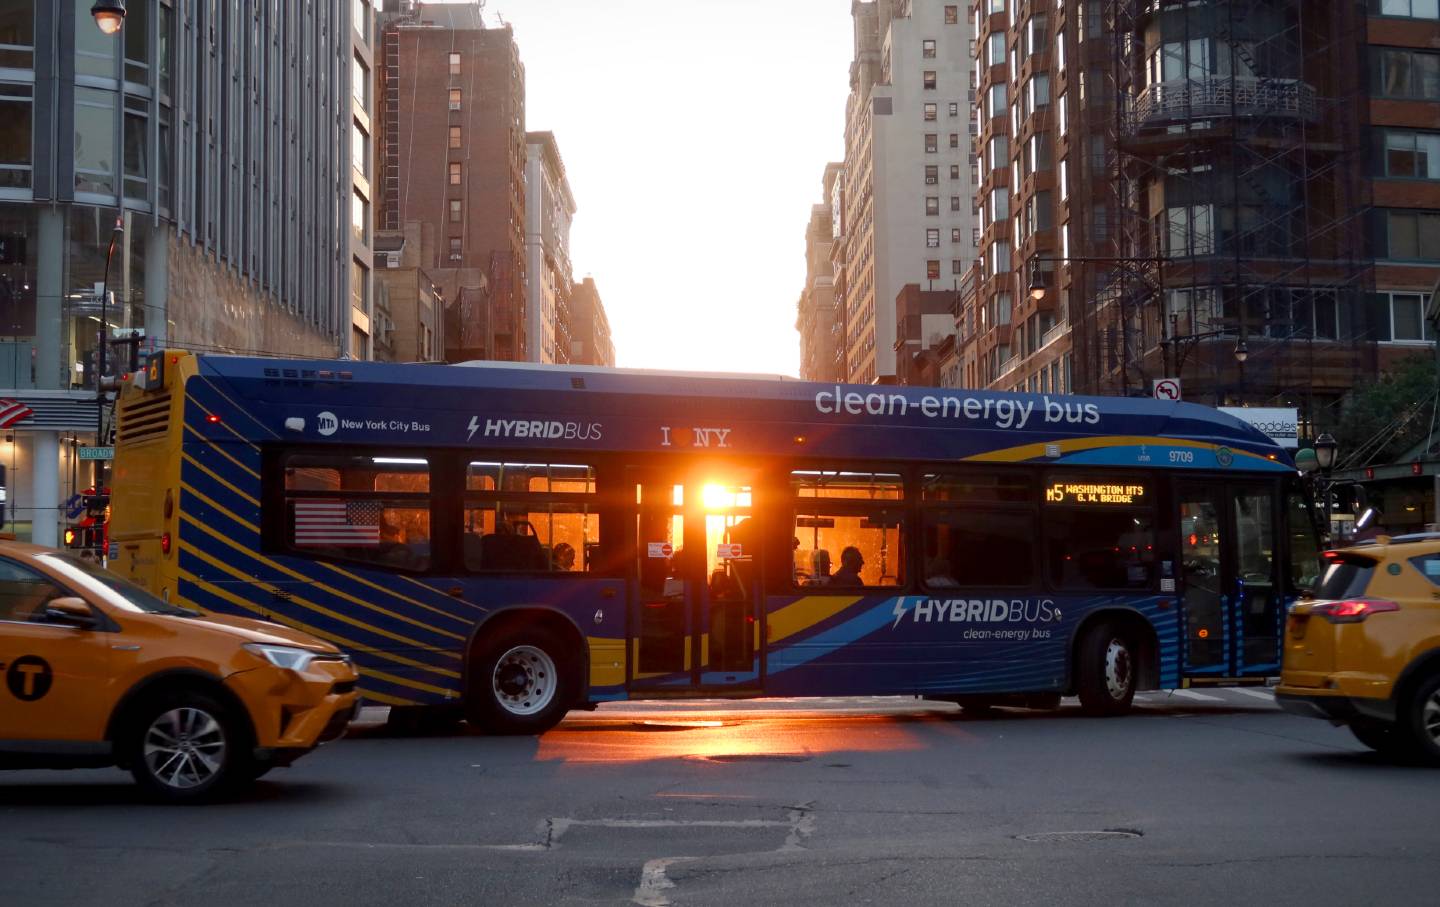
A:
[455,210]
[1062,118]
[359,218]
[954,203]
[932,269]
[359,286]
[929,80]
[360,83]
[454,136]
[454,99]
[930,111]
[1404,154]
[1401,235]
[954,108]
[955,235]
[927,48]
[932,143]
[932,205]
[455,248]
[16,108]
[954,171]
[454,173]
[932,174]
[995,47]
[1064,180]
[957,266]
[454,64]
[1060,50]
[1400,317]
[1407,9]
[359,145]
[1399,73]
[932,238]
[360,13]
[952,15]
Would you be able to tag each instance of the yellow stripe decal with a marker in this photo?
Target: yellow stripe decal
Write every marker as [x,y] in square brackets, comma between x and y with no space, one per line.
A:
[200,406]
[243,411]
[330,589]
[805,613]
[220,450]
[205,469]
[373,696]
[404,598]
[339,640]
[429,588]
[1074,445]
[225,512]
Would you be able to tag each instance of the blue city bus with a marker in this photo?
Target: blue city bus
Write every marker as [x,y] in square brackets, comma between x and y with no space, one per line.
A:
[509,542]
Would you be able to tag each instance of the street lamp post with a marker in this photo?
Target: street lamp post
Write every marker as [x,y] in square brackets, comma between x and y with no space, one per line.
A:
[101,363]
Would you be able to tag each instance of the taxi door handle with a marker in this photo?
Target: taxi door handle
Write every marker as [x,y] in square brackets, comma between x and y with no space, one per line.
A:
[126,648]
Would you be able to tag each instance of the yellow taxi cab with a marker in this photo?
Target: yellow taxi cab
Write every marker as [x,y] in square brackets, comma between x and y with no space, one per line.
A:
[97,672]
[1365,651]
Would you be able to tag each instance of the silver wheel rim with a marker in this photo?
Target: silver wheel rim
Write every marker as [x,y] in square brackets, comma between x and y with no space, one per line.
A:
[1117,669]
[184,748]
[1430,717]
[524,680]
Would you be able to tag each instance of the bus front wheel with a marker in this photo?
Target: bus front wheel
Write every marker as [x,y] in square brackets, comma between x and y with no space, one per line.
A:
[522,682]
[1106,664]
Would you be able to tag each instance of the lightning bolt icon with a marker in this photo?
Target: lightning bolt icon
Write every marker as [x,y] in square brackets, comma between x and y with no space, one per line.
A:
[899,612]
[474,427]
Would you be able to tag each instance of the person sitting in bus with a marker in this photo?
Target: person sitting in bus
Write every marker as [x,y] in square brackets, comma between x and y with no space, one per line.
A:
[819,568]
[849,573]
[562,557]
[938,573]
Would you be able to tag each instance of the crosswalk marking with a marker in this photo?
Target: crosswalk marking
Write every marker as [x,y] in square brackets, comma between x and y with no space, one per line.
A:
[1191,694]
[1258,694]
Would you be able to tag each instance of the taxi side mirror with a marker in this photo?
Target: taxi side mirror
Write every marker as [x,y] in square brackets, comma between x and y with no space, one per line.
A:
[70,612]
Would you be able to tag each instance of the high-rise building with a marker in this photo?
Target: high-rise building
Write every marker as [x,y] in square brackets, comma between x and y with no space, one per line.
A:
[907,188]
[364,21]
[1237,194]
[816,317]
[452,126]
[184,182]
[549,210]
[590,341]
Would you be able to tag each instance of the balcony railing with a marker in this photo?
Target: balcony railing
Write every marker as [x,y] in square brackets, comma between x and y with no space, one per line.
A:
[1217,97]
[1054,334]
[1008,366]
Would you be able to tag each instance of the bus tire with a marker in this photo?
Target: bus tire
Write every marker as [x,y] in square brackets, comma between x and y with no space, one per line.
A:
[1106,663]
[523,681]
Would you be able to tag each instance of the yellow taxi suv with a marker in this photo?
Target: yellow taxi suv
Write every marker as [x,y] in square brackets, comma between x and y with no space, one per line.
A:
[98,672]
[1365,651]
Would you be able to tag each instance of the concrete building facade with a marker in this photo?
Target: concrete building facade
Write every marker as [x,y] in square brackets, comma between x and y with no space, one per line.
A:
[216,138]
[549,211]
[908,194]
[816,317]
[413,307]
[452,139]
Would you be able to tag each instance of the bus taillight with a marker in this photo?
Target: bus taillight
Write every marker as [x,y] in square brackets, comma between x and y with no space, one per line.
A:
[165,543]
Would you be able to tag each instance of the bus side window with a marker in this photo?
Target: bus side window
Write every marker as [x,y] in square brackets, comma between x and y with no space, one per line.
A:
[371,509]
[849,529]
[978,528]
[530,518]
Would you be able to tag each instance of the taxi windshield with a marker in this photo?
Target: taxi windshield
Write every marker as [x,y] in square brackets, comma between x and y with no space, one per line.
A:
[119,592]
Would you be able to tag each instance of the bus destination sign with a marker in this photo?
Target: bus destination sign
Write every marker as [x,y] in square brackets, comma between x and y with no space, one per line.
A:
[1099,493]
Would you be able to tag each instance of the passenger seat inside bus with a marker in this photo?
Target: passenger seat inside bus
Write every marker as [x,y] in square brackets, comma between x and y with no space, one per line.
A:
[506,551]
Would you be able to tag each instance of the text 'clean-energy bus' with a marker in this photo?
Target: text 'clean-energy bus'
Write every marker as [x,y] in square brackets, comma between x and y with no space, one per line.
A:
[523,540]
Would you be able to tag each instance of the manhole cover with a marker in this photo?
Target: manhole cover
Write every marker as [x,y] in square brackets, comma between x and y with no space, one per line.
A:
[754,757]
[1062,837]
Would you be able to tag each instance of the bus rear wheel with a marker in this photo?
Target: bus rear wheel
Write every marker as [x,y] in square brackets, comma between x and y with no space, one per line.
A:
[521,682]
[1106,665]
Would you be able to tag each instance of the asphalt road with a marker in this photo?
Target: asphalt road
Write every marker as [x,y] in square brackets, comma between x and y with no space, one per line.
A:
[1219,799]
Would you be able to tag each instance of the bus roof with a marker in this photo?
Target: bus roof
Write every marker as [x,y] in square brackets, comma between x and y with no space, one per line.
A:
[523,406]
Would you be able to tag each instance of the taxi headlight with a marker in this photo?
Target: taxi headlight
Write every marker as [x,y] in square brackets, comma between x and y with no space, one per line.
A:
[291,657]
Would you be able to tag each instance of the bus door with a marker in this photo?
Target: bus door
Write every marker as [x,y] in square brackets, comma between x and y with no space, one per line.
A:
[695,614]
[1229,586]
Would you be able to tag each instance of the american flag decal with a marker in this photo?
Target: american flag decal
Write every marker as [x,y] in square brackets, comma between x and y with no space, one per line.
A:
[338,522]
[12,411]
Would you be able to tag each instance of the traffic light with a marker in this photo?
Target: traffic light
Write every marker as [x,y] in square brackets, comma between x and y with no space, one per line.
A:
[84,537]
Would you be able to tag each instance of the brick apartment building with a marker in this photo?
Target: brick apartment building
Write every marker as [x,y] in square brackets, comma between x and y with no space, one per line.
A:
[452,156]
[1245,195]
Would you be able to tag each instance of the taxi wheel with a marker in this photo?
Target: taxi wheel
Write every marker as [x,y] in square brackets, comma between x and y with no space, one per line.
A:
[1106,664]
[1421,721]
[522,682]
[185,747]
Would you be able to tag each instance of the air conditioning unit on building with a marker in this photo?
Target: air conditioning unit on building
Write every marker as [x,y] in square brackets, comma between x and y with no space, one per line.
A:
[392,259]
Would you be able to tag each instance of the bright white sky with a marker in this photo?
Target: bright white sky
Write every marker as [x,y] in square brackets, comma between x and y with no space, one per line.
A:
[694,134]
